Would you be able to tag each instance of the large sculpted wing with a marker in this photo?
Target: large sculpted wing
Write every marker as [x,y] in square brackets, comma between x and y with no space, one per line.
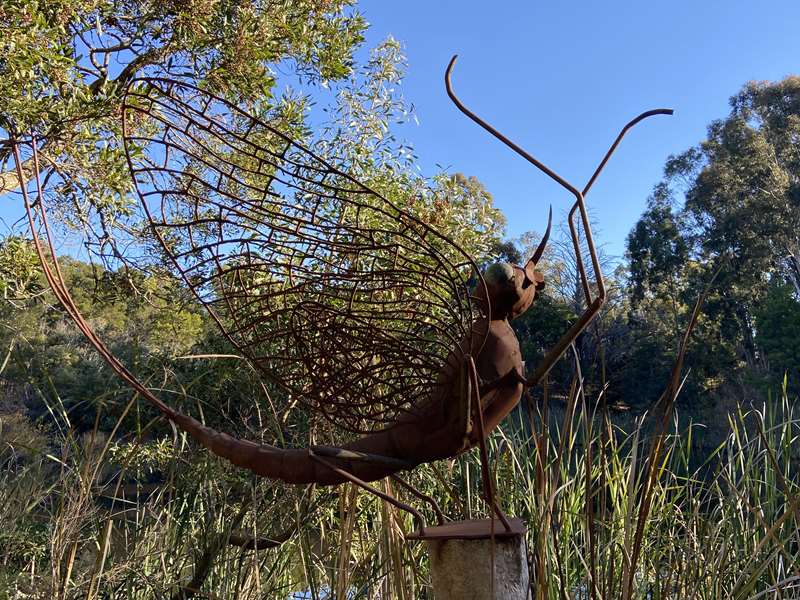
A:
[349,304]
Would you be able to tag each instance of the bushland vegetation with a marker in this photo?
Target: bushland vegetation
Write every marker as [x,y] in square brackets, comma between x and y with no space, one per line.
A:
[638,480]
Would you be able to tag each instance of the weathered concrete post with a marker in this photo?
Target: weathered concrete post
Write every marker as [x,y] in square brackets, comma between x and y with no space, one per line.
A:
[461,561]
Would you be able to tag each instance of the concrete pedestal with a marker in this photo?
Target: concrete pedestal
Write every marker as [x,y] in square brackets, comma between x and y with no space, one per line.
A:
[460,560]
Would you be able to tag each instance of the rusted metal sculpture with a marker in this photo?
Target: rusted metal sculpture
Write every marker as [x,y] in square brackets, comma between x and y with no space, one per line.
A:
[349,304]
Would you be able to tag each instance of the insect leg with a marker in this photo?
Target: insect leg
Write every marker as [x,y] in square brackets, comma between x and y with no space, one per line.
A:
[513,376]
[486,473]
[376,492]
[460,421]
[352,455]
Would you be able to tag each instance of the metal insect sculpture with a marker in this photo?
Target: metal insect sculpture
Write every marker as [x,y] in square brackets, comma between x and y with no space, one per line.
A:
[346,302]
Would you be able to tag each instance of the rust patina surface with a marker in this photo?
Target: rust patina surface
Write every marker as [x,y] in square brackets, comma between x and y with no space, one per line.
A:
[352,306]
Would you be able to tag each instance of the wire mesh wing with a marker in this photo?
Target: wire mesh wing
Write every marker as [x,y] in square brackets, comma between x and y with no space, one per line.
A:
[348,303]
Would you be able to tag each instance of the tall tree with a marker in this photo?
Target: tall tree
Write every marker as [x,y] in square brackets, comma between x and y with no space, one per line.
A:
[744,192]
[741,217]
[64,65]
[744,198]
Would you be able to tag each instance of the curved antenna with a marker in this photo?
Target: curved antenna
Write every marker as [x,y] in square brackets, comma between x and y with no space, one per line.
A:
[537,163]
[593,306]
[628,127]
[537,254]
[547,171]
[571,217]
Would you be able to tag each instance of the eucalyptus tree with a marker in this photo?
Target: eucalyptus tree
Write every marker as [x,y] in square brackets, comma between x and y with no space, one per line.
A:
[729,205]
[65,65]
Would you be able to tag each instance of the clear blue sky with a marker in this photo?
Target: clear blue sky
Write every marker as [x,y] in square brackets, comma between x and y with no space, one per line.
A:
[561,78]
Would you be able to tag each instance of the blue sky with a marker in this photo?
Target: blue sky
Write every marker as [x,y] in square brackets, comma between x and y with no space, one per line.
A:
[561,78]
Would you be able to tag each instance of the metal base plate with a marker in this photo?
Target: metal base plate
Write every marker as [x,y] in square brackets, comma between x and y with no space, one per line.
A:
[476,529]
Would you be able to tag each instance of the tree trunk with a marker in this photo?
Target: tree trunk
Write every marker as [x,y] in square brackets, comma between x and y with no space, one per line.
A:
[794,271]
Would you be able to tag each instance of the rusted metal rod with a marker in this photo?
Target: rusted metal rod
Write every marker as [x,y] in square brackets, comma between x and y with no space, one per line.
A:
[592,305]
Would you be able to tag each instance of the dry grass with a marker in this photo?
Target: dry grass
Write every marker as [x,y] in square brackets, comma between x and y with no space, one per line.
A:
[612,514]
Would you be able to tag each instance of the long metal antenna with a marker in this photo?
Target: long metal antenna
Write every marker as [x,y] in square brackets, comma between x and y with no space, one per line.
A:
[593,305]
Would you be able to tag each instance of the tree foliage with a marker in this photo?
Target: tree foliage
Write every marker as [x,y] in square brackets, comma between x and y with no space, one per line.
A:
[66,64]
[84,57]
[740,220]
[777,321]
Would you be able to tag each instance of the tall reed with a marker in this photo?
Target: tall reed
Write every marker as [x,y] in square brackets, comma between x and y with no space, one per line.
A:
[91,516]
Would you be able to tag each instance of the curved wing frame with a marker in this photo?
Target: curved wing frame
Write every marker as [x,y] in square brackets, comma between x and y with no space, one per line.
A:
[350,304]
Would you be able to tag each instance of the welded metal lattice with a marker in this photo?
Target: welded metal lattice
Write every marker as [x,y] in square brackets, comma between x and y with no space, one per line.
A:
[349,304]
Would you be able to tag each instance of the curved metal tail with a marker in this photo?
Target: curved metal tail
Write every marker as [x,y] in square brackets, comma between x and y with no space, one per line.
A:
[295,466]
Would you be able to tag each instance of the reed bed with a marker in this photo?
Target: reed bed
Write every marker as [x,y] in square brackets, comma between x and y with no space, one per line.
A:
[613,511]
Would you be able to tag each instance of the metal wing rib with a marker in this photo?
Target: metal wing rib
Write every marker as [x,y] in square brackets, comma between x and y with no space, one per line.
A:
[350,304]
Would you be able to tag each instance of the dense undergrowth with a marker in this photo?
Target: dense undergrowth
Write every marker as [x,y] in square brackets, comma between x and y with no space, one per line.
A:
[611,513]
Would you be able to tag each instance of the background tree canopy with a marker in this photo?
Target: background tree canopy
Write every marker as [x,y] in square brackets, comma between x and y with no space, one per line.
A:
[741,215]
